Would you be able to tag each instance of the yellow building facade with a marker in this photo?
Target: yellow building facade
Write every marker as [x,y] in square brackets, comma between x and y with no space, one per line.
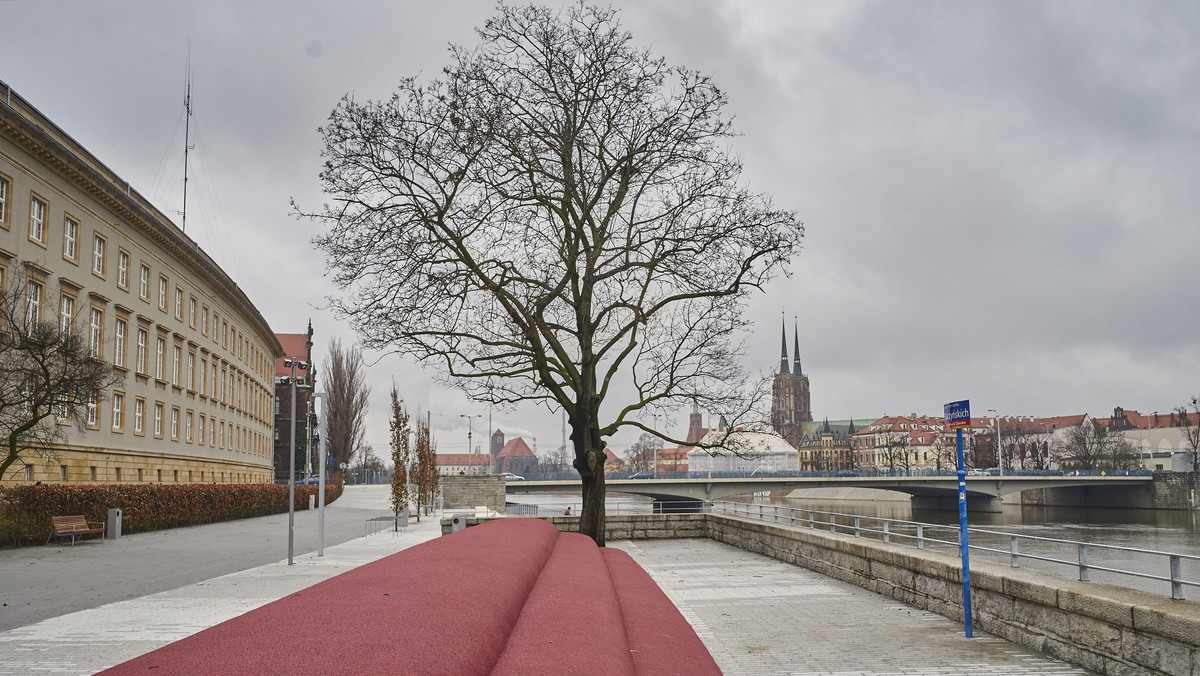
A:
[197,357]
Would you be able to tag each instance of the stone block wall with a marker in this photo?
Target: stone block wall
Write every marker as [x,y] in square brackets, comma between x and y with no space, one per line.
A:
[463,491]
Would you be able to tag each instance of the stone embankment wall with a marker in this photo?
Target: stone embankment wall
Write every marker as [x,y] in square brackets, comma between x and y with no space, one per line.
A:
[1103,628]
[462,491]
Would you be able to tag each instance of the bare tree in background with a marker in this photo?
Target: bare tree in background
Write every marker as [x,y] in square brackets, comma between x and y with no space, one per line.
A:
[347,392]
[401,453]
[556,217]
[1191,430]
[640,456]
[49,379]
[1090,445]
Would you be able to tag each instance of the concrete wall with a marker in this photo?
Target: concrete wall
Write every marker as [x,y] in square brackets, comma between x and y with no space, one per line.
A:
[1103,628]
[465,491]
[1170,490]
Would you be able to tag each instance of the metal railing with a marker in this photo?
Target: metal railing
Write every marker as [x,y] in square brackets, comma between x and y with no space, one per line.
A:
[573,508]
[919,535]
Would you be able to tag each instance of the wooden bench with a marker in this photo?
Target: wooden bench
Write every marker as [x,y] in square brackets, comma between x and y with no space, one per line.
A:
[73,526]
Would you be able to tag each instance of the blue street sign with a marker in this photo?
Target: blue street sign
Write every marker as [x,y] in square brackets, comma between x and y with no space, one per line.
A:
[958,414]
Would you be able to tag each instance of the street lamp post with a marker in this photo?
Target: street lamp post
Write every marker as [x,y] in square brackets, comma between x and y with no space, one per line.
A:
[470,445]
[293,364]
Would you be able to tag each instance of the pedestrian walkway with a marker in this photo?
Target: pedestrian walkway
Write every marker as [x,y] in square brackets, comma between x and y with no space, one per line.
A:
[758,615]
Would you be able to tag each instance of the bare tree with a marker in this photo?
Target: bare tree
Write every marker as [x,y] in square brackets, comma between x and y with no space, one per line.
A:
[555,218]
[894,449]
[640,456]
[401,453]
[1191,431]
[348,397]
[368,464]
[1089,445]
[50,381]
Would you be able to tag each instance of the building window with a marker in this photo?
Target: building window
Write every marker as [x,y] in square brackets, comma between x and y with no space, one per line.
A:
[66,314]
[192,312]
[118,403]
[5,190]
[33,305]
[158,419]
[119,344]
[144,282]
[92,402]
[123,269]
[177,357]
[191,371]
[161,357]
[187,427]
[216,327]
[98,244]
[117,473]
[162,293]
[37,220]
[204,377]
[212,432]
[70,237]
[204,320]
[96,335]
[202,422]
[139,415]
[178,303]
[142,338]
[174,423]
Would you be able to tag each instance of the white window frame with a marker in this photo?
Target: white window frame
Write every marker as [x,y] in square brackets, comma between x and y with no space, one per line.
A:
[66,313]
[37,219]
[139,415]
[118,402]
[70,238]
[143,337]
[123,269]
[99,244]
[119,342]
[96,334]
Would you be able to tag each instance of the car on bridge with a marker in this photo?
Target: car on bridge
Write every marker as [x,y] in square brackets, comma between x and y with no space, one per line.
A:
[509,476]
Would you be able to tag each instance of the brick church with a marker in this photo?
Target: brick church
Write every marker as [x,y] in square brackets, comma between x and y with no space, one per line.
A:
[791,404]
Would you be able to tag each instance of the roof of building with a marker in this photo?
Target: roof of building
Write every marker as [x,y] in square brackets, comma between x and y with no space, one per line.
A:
[294,345]
[516,448]
[611,458]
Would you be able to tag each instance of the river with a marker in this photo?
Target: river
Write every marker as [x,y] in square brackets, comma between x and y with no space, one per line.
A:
[1174,531]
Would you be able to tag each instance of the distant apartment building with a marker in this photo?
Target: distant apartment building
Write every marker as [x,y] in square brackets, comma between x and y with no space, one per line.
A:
[296,346]
[195,353]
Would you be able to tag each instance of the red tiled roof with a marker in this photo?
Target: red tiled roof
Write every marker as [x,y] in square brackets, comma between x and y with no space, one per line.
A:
[294,345]
[516,448]
[610,457]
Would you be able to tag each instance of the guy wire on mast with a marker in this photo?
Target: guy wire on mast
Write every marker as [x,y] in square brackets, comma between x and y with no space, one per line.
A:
[187,106]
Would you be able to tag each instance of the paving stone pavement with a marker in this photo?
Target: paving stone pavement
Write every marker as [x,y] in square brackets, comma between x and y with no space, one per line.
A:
[758,616]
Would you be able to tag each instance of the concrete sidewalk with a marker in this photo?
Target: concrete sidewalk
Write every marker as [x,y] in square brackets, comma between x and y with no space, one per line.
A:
[758,615]
[93,639]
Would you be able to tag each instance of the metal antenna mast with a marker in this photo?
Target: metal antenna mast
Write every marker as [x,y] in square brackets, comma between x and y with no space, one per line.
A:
[187,127]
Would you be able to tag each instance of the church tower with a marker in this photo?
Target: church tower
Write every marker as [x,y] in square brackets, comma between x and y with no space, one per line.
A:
[791,403]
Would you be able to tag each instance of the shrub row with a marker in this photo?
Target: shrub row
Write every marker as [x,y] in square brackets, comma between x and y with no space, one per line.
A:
[25,510]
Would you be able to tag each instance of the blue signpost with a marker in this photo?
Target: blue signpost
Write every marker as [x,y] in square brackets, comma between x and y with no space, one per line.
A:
[958,416]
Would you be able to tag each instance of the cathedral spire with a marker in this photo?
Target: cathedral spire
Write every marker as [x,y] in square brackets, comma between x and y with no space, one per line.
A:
[783,359]
[796,353]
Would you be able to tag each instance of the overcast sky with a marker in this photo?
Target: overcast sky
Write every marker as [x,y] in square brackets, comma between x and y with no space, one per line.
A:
[1001,198]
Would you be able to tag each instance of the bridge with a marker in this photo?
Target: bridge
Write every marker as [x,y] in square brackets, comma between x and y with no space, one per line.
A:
[984,493]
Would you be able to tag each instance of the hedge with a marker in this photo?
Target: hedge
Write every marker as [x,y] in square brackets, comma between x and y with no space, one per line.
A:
[25,510]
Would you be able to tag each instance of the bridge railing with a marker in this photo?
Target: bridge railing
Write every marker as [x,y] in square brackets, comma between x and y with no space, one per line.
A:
[1015,547]
[835,474]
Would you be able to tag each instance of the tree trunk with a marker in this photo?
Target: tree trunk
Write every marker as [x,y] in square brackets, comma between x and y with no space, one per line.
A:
[589,461]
